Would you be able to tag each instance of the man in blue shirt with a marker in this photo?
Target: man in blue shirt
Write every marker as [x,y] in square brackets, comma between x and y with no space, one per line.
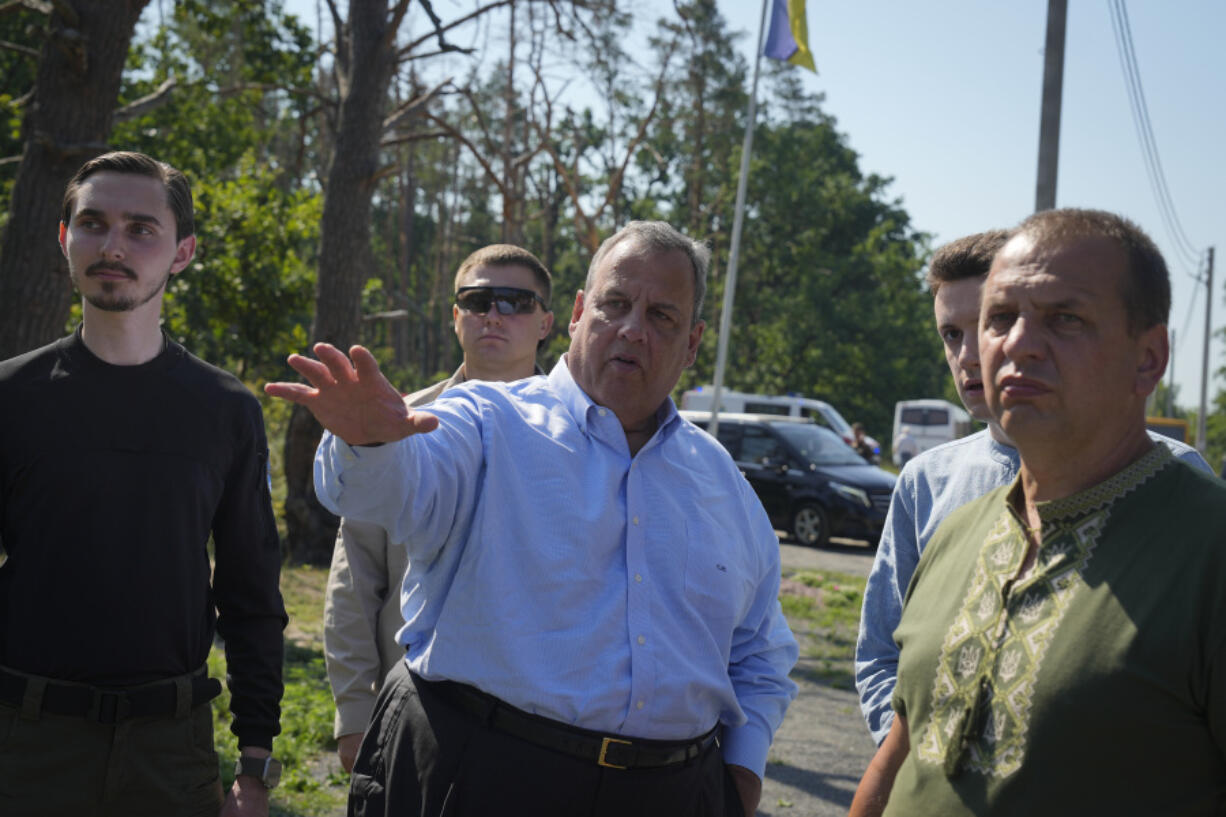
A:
[942,479]
[592,615]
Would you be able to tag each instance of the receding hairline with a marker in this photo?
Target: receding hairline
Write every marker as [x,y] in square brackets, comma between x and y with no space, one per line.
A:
[657,238]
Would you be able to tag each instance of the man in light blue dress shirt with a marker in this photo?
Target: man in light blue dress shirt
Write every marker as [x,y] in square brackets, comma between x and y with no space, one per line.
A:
[592,615]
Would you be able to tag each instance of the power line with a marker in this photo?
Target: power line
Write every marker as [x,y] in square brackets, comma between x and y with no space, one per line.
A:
[1145,134]
[1191,303]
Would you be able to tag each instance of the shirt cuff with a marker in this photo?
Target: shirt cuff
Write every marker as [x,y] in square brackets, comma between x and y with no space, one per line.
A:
[335,456]
[747,746]
[353,716]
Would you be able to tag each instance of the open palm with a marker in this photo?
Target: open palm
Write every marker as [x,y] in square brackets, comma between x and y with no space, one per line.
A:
[350,397]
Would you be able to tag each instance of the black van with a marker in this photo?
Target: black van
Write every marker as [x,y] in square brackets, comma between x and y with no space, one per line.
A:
[811,483]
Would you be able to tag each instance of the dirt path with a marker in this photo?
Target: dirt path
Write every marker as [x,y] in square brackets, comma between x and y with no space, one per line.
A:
[823,746]
[818,755]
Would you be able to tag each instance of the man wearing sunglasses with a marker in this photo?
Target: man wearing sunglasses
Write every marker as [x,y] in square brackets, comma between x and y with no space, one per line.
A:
[593,623]
[501,317]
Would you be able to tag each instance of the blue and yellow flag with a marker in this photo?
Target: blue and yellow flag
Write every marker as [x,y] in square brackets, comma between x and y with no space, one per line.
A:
[788,36]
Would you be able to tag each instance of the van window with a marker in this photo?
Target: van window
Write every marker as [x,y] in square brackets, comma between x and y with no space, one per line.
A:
[925,416]
[820,446]
[765,408]
[819,418]
[760,446]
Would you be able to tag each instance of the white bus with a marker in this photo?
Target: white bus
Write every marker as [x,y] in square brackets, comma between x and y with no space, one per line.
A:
[931,422]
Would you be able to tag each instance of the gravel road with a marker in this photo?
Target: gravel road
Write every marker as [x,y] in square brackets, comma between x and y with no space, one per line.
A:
[823,746]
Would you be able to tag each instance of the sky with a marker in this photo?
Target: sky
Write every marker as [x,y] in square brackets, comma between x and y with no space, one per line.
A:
[944,98]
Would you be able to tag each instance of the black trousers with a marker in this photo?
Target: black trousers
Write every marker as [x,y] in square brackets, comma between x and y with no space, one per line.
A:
[424,756]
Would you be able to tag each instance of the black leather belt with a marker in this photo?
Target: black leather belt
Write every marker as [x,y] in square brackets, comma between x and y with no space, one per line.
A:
[106,706]
[610,751]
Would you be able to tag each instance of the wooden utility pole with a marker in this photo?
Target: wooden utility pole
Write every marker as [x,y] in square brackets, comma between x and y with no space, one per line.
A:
[1201,442]
[1049,124]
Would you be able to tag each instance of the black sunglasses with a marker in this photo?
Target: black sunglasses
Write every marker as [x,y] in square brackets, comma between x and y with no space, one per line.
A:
[507,300]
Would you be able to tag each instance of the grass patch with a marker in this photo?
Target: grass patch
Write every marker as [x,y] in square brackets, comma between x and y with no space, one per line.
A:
[823,609]
[312,784]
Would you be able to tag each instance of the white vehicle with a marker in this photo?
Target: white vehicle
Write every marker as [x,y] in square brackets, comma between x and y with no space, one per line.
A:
[931,422]
[785,405]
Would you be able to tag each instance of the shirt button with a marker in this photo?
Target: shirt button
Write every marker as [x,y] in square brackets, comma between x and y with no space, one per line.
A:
[638,577]
[642,639]
[639,705]
[602,412]
[636,520]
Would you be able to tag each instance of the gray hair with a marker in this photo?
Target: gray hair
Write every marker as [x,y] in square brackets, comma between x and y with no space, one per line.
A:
[658,237]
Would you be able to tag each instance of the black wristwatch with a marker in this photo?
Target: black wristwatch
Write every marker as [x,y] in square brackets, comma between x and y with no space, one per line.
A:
[266,769]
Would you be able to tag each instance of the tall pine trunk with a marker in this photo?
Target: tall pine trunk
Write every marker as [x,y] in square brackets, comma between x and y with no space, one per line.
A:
[67,122]
[345,257]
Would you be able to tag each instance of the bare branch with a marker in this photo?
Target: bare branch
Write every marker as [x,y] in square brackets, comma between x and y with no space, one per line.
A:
[20,49]
[32,5]
[403,52]
[149,102]
[394,118]
[382,173]
[467,93]
[443,45]
[393,25]
[463,140]
[619,174]
[415,136]
[10,160]
[337,22]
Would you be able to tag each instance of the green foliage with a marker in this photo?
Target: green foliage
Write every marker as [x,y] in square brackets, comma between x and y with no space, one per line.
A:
[829,303]
[312,782]
[23,27]
[245,301]
[823,609]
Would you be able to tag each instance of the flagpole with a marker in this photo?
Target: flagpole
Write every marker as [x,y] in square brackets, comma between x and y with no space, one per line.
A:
[734,251]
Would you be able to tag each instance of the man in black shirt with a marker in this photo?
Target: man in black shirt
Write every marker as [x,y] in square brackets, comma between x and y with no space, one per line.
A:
[120,453]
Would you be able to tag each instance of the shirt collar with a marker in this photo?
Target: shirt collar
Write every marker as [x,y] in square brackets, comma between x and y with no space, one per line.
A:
[579,404]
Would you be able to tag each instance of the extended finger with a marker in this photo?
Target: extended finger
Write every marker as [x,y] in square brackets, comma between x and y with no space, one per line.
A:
[316,373]
[336,362]
[365,365]
[294,392]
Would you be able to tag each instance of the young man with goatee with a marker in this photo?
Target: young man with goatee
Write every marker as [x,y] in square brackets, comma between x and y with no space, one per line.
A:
[121,455]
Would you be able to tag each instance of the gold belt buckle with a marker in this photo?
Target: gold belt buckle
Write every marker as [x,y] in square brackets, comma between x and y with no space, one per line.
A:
[604,749]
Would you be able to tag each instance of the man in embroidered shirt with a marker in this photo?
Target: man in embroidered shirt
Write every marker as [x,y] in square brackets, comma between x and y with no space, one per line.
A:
[592,591]
[1062,643]
[501,315]
[944,478]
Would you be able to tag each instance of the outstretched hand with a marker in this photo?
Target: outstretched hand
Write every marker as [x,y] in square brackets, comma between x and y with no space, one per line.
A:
[352,399]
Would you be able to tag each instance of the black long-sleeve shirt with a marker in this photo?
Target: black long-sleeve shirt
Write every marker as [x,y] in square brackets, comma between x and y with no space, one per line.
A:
[111,480]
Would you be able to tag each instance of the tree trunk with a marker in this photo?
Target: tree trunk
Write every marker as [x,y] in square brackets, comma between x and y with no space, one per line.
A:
[345,257]
[67,123]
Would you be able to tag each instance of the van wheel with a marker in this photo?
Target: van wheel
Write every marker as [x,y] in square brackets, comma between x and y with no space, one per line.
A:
[809,526]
